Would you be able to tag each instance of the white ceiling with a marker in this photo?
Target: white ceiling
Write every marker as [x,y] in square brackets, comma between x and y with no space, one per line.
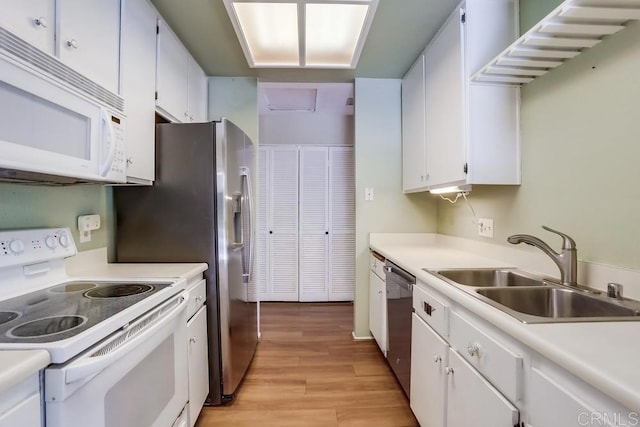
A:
[400,30]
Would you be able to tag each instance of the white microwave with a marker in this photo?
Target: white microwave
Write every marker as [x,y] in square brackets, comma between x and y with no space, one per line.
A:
[56,125]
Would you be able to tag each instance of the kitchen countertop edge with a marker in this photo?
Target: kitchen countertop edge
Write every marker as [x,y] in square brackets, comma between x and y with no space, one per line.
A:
[17,365]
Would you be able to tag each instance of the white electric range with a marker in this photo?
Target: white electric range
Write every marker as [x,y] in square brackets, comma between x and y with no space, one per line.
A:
[118,348]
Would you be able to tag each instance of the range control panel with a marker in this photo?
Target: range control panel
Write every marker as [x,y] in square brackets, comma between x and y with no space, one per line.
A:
[21,247]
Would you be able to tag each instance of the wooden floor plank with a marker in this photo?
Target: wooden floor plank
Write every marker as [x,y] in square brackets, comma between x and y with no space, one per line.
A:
[308,371]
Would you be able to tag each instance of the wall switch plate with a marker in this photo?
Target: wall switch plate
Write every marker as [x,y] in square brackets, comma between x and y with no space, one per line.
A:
[485,227]
[86,224]
[368,194]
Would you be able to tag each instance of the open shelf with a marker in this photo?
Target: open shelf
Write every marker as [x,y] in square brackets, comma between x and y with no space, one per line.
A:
[567,31]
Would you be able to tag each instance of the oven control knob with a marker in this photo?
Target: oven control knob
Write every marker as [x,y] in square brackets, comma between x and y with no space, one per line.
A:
[63,240]
[16,246]
[51,242]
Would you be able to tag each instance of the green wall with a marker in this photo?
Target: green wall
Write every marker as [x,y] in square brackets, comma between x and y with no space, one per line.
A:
[235,98]
[580,150]
[378,157]
[532,11]
[34,206]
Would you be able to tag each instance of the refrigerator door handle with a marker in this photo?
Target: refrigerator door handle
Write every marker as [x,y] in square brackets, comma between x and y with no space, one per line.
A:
[246,183]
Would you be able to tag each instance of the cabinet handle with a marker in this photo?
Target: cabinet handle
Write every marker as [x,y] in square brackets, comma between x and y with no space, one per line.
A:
[73,43]
[421,178]
[198,298]
[193,340]
[473,349]
[41,22]
[129,160]
[448,370]
[192,118]
[437,359]
[380,292]
[427,177]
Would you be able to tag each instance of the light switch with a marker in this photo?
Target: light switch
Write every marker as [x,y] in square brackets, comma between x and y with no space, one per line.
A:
[368,194]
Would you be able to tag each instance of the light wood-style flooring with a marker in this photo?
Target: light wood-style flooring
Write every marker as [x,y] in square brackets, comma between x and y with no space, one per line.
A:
[308,371]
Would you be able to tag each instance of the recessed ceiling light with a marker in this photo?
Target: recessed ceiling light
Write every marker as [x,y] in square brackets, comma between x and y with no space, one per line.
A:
[301,33]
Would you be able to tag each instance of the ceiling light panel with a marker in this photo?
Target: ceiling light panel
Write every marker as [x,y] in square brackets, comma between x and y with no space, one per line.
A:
[332,33]
[270,32]
[302,33]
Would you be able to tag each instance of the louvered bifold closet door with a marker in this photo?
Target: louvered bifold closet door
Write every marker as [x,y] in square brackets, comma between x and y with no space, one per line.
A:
[283,224]
[314,216]
[342,241]
[261,262]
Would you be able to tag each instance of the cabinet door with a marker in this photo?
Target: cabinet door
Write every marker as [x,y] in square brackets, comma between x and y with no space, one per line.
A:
[138,70]
[197,96]
[551,405]
[283,224]
[32,20]
[429,356]
[472,400]
[259,281]
[445,131]
[172,70]
[314,223]
[414,174]
[377,324]
[342,242]
[89,39]
[198,363]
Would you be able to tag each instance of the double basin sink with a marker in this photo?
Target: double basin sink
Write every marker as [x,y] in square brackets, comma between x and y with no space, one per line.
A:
[533,299]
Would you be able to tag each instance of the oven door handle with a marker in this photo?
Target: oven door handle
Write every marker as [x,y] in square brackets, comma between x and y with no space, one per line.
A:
[88,365]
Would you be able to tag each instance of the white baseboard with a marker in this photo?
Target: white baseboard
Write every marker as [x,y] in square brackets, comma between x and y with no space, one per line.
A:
[357,338]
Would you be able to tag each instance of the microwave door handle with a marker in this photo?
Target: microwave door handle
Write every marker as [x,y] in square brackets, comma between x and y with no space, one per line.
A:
[107,135]
[88,366]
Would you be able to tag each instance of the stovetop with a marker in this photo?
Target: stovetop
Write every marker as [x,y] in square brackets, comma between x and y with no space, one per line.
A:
[65,310]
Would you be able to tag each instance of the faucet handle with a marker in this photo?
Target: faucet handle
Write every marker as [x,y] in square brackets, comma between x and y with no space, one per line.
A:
[567,242]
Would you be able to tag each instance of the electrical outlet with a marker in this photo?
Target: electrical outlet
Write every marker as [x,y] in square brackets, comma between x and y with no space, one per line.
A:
[485,227]
[368,194]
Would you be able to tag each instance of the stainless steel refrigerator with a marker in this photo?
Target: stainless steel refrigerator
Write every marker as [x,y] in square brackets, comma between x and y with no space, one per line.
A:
[200,210]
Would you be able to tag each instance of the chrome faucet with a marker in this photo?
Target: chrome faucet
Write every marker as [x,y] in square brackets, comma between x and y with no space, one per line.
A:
[567,260]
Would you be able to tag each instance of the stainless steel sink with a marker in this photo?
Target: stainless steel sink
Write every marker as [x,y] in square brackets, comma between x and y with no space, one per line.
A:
[485,278]
[556,304]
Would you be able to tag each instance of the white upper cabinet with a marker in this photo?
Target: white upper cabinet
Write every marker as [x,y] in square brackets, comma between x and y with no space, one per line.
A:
[180,82]
[138,70]
[471,130]
[414,174]
[32,20]
[445,104]
[171,77]
[89,39]
[84,34]
[197,94]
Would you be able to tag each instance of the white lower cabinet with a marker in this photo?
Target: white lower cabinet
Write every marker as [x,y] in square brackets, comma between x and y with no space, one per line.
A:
[20,404]
[378,309]
[198,363]
[198,353]
[472,400]
[429,357]
[465,371]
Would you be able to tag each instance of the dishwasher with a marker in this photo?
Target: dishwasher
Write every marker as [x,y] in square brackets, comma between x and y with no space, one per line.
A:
[399,308]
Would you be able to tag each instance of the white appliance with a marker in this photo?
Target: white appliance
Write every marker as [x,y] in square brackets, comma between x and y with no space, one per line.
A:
[57,126]
[118,348]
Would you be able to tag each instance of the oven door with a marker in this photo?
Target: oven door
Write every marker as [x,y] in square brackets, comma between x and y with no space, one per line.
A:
[137,377]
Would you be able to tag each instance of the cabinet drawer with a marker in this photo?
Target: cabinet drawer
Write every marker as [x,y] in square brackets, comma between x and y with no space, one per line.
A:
[197,297]
[377,264]
[431,309]
[501,366]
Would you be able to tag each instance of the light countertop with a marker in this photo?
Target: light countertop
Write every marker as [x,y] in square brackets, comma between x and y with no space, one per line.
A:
[16,366]
[603,354]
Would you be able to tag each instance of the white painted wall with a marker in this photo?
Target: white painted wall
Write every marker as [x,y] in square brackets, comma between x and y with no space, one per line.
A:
[306,129]
[378,154]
